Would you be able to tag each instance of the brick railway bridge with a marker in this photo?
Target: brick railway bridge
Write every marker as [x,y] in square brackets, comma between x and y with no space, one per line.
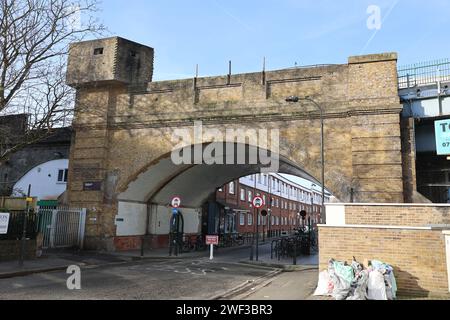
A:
[120,161]
[121,166]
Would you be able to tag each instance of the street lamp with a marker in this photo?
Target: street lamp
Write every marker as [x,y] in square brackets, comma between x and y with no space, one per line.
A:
[295,99]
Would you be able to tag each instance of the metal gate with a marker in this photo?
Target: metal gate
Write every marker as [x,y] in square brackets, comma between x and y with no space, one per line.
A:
[62,227]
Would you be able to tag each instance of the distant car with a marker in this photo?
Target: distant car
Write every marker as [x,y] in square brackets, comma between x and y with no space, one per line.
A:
[284,234]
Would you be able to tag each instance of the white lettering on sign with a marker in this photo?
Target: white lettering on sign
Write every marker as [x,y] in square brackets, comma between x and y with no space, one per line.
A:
[212,240]
[4,222]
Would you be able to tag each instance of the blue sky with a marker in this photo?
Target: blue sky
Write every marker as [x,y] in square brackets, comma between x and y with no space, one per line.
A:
[211,32]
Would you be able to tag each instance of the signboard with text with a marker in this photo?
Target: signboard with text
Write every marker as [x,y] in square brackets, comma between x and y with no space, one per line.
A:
[212,240]
[442,129]
[4,222]
[92,186]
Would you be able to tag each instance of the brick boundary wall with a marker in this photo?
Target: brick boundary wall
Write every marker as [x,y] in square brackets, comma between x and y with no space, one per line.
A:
[10,250]
[401,215]
[408,237]
[408,251]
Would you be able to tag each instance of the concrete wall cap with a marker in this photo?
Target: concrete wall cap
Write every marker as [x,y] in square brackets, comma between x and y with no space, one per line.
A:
[388,56]
[431,205]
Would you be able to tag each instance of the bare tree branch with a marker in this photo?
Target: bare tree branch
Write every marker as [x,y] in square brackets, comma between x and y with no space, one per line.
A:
[34,43]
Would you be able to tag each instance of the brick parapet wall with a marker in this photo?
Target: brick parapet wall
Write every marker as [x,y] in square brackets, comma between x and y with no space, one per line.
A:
[413,216]
[408,251]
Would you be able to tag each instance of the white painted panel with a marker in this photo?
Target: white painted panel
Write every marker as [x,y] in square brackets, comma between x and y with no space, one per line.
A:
[134,216]
[43,180]
[192,219]
[446,105]
[335,215]
[160,220]
[425,108]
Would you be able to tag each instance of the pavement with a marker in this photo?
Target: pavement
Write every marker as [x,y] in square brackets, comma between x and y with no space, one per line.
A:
[151,279]
[156,276]
[61,259]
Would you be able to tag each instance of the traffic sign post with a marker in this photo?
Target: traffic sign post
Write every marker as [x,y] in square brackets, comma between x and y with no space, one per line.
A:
[176,227]
[212,241]
[258,203]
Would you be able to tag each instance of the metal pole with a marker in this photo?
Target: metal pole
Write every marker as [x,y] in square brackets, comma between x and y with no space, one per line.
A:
[322,146]
[264,229]
[295,251]
[24,231]
[257,234]
[322,143]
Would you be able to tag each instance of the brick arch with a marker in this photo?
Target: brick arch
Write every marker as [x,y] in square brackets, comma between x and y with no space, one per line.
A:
[177,179]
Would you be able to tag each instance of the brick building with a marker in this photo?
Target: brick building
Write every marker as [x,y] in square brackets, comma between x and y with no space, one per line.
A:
[284,200]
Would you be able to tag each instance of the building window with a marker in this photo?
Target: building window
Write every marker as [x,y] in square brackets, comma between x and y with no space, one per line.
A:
[62,175]
[272,222]
[265,180]
[249,219]
[242,194]
[250,196]
[98,51]
[278,203]
[231,188]
[264,199]
[259,178]
[242,219]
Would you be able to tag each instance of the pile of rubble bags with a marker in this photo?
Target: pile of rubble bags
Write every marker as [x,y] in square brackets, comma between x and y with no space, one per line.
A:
[354,282]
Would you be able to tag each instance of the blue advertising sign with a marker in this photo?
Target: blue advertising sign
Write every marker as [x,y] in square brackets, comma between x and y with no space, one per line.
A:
[442,129]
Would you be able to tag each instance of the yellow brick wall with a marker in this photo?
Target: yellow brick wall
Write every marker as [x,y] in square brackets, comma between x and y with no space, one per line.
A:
[413,216]
[418,256]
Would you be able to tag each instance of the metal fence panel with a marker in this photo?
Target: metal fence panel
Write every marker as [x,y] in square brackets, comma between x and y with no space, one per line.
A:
[15,227]
[62,227]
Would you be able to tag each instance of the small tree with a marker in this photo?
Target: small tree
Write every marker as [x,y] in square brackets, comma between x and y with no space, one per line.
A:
[34,41]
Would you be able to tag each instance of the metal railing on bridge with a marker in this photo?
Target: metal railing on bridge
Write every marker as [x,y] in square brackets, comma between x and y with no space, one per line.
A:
[424,73]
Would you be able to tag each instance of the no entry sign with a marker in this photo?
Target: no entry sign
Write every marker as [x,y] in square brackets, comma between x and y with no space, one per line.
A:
[176,202]
[258,202]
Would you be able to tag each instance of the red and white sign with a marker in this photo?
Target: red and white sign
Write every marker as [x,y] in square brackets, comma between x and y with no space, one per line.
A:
[258,202]
[212,240]
[176,202]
